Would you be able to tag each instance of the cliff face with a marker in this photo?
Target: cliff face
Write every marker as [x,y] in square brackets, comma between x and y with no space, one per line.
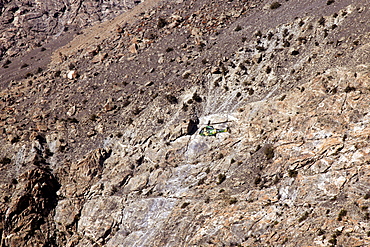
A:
[101,147]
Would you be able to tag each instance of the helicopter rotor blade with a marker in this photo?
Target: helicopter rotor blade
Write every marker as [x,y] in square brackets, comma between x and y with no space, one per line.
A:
[221,122]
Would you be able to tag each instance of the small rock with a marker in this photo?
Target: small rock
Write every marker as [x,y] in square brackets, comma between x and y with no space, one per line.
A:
[13,138]
[91,133]
[99,58]
[149,83]
[41,127]
[161,60]
[294,52]
[71,111]
[257,58]
[215,70]
[109,106]
[186,74]
[99,128]
[133,48]
[120,29]
[72,74]
[46,90]
[11,120]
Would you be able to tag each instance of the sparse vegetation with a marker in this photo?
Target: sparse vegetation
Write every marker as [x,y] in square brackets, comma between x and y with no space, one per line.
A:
[295,52]
[330,2]
[269,36]
[15,139]
[57,73]
[282,98]
[258,33]
[201,181]
[321,232]
[125,103]
[286,43]
[161,23]
[185,204]
[303,217]
[349,89]
[5,161]
[321,21]
[275,5]
[367,196]
[93,117]
[268,70]
[367,216]
[72,120]
[6,63]
[233,201]
[28,75]
[172,99]
[221,177]
[185,107]
[292,173]
[136,111]
[257,180]
[269,152]
[238,28]
[260,48]
[25,65]
[71,66]
[342,214]
[334,240]
[197,98]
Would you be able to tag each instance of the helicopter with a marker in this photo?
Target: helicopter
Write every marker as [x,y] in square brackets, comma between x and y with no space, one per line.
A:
[209,130]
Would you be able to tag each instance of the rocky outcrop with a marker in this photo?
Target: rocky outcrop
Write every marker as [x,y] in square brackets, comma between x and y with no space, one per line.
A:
[26,25]
[117,147]
[28,218]
[31,30]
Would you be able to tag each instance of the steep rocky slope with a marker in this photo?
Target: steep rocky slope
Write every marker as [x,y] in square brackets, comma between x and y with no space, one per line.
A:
[29,28]
[101,147]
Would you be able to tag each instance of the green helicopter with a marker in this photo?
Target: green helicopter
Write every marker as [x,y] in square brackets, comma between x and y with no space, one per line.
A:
[209,130]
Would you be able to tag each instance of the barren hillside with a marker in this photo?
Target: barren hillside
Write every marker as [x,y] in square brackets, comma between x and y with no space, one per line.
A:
[101,123]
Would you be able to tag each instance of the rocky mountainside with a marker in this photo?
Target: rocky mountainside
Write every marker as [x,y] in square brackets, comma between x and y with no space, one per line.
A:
[100,123]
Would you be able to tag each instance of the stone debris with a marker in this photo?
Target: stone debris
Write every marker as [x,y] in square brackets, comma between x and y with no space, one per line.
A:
[72,74]
[133,48]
